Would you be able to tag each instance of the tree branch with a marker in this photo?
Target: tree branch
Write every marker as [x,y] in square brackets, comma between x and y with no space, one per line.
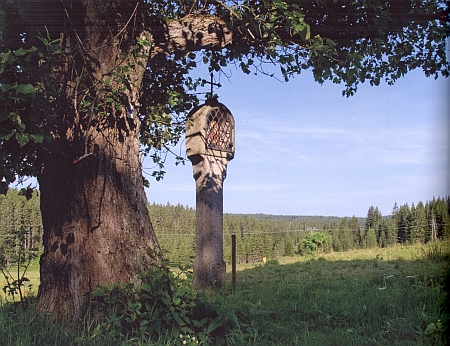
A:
[190,33]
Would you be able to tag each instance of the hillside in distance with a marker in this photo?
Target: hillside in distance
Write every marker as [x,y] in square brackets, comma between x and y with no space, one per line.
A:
[305,218]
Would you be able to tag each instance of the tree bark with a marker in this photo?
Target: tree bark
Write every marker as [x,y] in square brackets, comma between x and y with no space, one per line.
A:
[97,229]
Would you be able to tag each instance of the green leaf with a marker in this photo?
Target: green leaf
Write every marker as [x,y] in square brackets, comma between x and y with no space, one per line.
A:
[21,51]
[330,43]
[165,299]
[36,138]
[6,87]
[6,57]
[143,42]
[146,288]
[22,139]
[177,319]
[350,74]
[431,328]
[26,89]
[144,323]
[98,293]
[304,30]
[16,119]
[214,325]
[8,136]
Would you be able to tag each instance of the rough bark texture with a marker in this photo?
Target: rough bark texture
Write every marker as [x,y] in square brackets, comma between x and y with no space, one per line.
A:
[97,227]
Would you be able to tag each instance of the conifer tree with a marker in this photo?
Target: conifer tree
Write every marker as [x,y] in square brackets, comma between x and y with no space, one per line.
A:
[402,220]
[390,232]
[419,224]
[371,238]
[345,236]
[373,225]
[355,229]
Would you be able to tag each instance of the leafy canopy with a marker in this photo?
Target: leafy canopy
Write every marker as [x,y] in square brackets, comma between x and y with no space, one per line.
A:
[343,41]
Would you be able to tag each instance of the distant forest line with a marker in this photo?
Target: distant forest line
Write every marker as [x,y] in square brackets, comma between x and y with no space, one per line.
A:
[258,235]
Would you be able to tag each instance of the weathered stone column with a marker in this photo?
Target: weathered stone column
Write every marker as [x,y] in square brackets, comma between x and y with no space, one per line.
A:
[209,266]
[209,146]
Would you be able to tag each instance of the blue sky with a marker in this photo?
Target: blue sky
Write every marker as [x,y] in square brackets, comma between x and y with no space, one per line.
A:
[304,149]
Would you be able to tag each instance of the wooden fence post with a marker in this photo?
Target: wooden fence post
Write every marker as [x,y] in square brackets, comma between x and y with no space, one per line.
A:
[233,262]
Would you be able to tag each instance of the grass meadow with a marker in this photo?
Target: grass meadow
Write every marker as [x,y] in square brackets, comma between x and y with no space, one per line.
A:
[390,296]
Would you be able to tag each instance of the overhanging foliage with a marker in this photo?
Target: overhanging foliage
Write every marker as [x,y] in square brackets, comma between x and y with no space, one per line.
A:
[42,52]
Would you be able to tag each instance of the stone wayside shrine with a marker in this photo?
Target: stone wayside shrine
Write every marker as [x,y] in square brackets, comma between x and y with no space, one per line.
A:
[210,145]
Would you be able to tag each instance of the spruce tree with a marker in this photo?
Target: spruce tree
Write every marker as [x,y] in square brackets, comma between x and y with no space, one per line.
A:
[402,221]
[390,230]
[355,230]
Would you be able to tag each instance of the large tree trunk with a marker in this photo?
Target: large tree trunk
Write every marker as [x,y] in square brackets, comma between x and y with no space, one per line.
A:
[97,229]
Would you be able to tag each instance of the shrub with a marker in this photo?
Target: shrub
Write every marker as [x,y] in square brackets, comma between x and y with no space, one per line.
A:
[163,306]
[314,243]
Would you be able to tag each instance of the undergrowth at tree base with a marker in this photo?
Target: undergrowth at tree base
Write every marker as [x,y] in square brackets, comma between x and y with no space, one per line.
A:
[394,297]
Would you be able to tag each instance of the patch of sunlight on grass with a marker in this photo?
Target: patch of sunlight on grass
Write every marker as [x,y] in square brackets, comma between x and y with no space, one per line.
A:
[32,274]
[371,297]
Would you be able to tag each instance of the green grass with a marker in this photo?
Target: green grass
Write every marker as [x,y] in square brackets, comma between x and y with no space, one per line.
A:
[374,297]
[364,297]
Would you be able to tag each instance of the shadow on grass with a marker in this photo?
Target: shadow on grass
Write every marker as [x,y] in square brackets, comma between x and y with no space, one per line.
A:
[343,302]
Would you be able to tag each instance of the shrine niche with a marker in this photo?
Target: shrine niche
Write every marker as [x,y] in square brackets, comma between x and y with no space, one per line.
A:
[210,131]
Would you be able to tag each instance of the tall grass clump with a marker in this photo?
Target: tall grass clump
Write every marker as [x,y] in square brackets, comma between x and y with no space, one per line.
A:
[21,327]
